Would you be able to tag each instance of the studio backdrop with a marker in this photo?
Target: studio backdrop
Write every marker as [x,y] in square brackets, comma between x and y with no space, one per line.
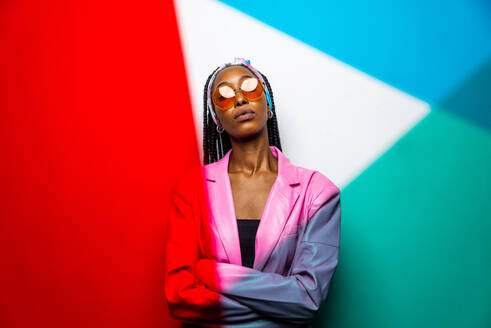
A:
[100,114]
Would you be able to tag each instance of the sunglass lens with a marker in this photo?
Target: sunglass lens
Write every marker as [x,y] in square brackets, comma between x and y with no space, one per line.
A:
[224,97]
[252,89]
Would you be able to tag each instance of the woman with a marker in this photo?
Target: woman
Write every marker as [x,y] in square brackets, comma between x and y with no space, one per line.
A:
[259,245]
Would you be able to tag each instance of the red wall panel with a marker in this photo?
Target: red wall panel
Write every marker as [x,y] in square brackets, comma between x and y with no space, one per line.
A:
[95,127]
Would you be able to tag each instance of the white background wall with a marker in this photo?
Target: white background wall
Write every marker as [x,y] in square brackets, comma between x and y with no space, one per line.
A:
[338,120]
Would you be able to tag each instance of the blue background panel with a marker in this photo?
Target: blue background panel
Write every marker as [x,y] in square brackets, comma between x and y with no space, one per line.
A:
[424,48]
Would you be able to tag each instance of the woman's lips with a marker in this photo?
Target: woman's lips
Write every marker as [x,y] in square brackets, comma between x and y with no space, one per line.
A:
[244,114]
[245,117]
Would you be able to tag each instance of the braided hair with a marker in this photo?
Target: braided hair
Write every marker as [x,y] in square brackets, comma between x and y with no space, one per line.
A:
[216,145]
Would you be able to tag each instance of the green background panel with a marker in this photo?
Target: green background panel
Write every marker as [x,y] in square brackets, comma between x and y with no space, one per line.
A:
[415,234]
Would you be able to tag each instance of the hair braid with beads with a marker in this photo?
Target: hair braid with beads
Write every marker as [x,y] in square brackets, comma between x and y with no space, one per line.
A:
[216,145]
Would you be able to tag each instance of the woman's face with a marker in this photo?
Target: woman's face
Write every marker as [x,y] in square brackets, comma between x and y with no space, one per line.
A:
[248,112]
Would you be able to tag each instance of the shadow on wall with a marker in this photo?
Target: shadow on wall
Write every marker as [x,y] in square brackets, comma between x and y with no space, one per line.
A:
[472,100]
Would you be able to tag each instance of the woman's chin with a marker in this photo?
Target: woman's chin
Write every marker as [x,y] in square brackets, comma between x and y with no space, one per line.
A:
[246,131]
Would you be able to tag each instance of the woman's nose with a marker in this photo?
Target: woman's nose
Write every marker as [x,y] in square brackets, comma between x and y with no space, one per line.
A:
[239,98]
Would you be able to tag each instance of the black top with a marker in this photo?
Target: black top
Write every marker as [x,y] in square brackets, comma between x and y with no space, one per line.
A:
[247,236]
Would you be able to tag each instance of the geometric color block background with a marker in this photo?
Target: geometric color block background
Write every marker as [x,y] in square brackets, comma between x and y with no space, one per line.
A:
[100,115]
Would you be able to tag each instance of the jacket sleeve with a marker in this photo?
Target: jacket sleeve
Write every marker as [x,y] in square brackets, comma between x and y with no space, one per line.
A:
[188,299]
[296,297]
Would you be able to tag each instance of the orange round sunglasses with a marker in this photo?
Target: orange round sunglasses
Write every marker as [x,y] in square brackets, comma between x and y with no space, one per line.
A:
[224,96]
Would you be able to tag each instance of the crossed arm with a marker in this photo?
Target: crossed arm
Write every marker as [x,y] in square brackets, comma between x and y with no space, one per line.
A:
[211,293]
[188,299]
[296,297]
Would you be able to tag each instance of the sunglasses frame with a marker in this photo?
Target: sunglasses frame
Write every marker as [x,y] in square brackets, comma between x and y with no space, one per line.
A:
[244,93]
[237,61]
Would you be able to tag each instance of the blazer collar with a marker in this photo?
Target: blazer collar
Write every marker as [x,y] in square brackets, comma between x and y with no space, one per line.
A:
[281,200]
[286,170]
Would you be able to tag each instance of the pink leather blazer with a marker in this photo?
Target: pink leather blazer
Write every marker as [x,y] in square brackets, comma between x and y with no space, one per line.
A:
[296,251]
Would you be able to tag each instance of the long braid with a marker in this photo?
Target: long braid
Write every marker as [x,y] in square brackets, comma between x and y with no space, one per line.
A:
[216,145]
[206,154]
[209,132]
[273,131]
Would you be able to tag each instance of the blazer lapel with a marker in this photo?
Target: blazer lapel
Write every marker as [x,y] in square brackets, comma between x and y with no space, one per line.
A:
[279,205]
[281,200]
[222,207]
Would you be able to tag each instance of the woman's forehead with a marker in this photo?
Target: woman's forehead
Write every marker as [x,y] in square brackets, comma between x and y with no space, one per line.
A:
[232,74]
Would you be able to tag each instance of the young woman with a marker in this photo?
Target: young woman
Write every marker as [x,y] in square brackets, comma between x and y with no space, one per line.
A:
[259,245]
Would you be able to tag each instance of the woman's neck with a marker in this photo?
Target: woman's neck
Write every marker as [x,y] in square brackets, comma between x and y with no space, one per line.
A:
[252,156]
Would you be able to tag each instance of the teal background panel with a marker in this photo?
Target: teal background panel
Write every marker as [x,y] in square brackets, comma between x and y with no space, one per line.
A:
[415,246]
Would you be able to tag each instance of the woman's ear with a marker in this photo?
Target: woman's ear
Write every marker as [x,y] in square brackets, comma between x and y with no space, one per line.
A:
[217,119]
[219,126]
